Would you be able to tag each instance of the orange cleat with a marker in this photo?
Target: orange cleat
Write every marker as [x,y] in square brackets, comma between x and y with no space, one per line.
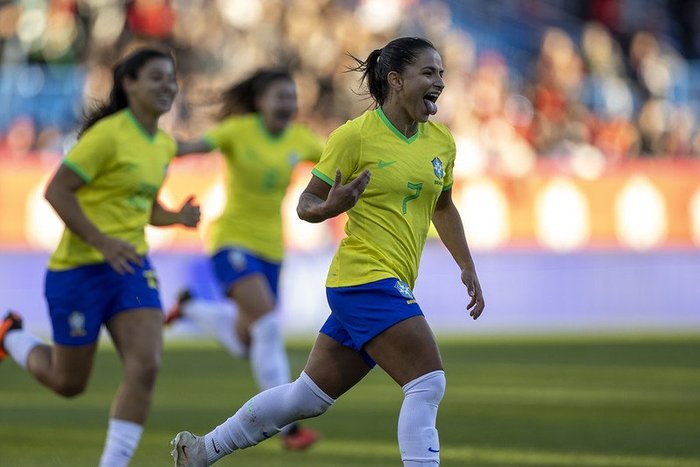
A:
[175,312]
[11,321]
[300,439]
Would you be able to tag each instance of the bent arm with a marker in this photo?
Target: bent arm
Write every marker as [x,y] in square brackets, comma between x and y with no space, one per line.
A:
[188,215]
[319,201]
[198,146]
[162,217]
[311,207]
[60,193]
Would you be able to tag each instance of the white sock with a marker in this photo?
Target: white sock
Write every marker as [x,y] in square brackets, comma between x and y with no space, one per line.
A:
[268,358]
[217,319]
[265,414]
[418,438]
[122,439]
[19,343]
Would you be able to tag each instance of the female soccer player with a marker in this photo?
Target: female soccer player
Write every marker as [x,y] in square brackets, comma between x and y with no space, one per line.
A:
[261,146]
[391,171]
[106,192]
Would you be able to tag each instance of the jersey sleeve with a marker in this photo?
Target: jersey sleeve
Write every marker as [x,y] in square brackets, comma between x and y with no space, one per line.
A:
[342,152]
[91,153]
[222,136]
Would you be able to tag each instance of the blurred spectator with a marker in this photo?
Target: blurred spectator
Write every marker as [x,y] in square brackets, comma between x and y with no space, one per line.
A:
[606,81]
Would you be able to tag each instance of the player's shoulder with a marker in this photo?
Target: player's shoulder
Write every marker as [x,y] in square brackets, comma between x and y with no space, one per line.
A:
[438,131]
[354,129]
[250,119]
[302,130]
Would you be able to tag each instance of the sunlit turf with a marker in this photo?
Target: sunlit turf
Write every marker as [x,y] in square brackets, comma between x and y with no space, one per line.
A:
[511,401]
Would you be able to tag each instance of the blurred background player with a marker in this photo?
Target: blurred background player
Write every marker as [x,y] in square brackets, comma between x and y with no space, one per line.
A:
[106,191]
[261,146]
[375,317]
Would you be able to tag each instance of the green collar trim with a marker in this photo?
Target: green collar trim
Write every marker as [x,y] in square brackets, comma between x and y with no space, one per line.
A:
[395,130]
[149,137]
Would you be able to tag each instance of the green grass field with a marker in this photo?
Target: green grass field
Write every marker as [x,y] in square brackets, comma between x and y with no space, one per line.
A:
[552,401]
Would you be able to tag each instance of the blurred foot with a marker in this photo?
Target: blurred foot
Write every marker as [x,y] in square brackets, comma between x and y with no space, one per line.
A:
[11,321]
[189,450]
[300,439]
[175,312]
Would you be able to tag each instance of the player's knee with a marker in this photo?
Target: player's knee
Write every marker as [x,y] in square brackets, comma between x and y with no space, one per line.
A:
[308,399]
[429,387]
[143,373]
[69,388]
[267,327]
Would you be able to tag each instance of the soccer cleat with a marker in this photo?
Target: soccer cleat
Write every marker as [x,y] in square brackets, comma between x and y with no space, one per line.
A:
[301,439]
[11,321]
[175,312]
[189,450]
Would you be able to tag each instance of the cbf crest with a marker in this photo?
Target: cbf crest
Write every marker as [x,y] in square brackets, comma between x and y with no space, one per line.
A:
[438,168]
[404,289]
[76,322]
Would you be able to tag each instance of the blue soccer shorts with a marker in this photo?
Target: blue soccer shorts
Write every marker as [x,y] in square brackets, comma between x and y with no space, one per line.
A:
[361,312]
[232,264]
[81,299]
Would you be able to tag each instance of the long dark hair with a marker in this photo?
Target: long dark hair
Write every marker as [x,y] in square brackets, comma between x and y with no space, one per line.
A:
[241,97]
[395,56]
[128,66]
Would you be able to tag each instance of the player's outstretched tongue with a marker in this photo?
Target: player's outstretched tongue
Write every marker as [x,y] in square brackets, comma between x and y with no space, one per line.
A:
[431,106]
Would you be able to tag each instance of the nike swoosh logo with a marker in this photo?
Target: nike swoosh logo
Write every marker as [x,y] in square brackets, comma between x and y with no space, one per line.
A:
[213,443]
[433,450]
[381,164]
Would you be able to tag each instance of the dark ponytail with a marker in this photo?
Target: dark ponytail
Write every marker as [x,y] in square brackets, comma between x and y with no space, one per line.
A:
[242,97]
[395,56]
[129,66]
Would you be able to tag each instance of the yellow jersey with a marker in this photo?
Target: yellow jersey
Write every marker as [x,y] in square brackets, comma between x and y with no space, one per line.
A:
[387,228]
[123,168]
[259,168]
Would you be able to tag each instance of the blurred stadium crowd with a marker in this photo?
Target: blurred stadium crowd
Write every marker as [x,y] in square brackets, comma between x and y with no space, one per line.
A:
[602,81]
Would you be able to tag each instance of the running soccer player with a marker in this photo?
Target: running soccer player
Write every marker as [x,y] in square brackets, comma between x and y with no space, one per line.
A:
[391,171]
[106,191]
[261,145]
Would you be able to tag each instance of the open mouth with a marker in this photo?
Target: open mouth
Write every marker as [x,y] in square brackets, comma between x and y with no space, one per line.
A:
[430,100]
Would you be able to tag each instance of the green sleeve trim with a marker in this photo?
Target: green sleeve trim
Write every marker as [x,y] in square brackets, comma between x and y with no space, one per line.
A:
[322,176]
[448,187]
[86,178]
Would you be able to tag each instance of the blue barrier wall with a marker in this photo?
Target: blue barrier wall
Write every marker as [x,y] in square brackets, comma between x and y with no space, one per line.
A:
[525,291]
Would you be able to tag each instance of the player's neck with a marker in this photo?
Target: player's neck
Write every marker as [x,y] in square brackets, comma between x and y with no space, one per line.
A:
[148,121]
[400,119]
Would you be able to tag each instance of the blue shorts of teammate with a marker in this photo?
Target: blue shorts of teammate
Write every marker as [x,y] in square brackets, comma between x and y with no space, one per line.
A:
[361,312]
[232,264]
[81,299]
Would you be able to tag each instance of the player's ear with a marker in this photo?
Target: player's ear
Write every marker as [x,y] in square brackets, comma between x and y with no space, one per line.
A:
[395,80]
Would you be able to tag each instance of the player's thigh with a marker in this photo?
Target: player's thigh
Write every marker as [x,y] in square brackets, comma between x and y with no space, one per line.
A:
[334,367]
[406,350]
[138,336]
[253,295]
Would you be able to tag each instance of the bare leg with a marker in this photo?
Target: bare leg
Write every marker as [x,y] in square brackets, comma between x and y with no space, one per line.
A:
[137,335]
[63,369]
[254,299]
[409,354]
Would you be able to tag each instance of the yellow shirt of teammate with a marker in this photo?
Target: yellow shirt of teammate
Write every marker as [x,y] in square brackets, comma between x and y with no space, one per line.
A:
[123,167]
[387,228]
[259,168]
